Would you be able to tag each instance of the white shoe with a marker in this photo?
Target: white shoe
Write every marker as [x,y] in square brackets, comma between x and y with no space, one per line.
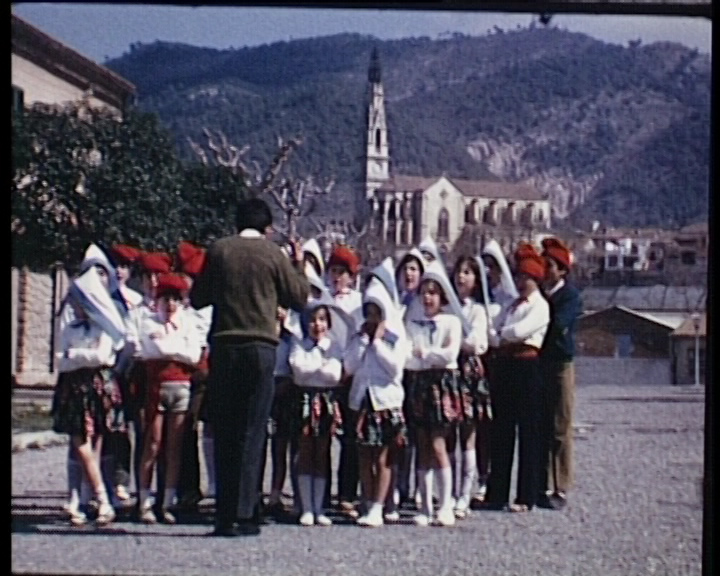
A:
[422,520]
[121,492]
[446,517]
[307,519]
[461,508]
[370,520]
[106,514]
[392,517]
[322,520]
[77,518]
[147,516]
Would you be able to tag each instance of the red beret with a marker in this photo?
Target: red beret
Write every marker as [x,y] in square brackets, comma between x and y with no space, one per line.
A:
[169,282]
[529,261]
[156,262]
[191,258]
[344,256]
[555,249]
[124,254]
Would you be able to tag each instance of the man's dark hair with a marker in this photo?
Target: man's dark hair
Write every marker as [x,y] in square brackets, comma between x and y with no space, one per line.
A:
[253,213]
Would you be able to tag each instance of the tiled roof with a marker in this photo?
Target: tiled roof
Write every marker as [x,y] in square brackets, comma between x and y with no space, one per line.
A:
[646,298]
[645,316]
[687,328]
[472,188]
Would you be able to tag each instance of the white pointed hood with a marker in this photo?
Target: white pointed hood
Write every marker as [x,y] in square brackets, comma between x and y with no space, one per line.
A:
[507,283]
[435,271]
[293,320]
[385,273]
[89,291]
[313,247]
[428,245]
[95,256]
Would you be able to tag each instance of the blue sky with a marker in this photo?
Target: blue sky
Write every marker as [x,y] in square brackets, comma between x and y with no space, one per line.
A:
[100,31]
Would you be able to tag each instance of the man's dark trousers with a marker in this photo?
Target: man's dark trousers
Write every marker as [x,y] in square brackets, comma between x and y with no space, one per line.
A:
[240,392]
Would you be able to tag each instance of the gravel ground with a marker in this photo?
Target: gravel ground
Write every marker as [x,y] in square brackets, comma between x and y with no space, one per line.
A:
[636,509]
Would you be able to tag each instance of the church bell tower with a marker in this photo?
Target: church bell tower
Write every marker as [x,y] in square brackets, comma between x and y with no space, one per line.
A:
[377,158]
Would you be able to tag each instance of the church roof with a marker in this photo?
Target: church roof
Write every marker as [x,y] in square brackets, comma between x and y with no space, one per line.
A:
[470,188]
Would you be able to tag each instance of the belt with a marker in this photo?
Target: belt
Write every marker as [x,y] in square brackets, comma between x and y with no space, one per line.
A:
[518,350]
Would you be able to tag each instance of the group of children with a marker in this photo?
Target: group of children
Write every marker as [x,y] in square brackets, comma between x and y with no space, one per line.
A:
[401,369]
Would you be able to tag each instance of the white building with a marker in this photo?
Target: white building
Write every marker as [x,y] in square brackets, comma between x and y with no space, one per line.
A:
[406,209]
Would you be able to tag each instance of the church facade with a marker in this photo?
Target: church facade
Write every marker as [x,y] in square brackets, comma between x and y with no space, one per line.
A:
[404,209]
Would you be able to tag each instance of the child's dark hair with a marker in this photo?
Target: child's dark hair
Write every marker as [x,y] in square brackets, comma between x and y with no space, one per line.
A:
[328,316]
[472,263]
[443,297]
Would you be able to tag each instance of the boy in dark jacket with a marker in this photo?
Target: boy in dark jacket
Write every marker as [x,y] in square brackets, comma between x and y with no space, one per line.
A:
[558,370]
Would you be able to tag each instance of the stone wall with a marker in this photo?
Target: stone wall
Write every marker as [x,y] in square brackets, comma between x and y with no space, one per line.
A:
[590,370]
[36,299]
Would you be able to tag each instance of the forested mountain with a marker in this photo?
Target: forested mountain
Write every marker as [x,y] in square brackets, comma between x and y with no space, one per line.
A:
[614,133]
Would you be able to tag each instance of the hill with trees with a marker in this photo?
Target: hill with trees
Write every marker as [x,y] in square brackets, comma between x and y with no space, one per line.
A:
[619,134]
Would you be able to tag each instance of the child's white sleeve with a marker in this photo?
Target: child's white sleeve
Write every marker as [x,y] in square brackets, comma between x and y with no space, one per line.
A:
[355,351]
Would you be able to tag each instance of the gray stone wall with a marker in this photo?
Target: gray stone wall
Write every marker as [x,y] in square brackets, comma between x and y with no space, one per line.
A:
[591,370]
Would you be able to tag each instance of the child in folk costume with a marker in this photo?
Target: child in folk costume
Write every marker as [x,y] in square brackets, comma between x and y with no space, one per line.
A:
[151,265]
[502,292]
[190,261]
[171,345]
[429,249]
[316,364]
[467,283]
[343,267]
[87,391]
[375,358]
[516,339]
[408,274]
[313,256]
[435,407]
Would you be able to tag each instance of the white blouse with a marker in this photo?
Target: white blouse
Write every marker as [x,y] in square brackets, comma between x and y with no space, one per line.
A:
[478,337]
[178,339]
[82,347]
[350,302]
[526,321]
[438,340]
[377,368]
[316,365]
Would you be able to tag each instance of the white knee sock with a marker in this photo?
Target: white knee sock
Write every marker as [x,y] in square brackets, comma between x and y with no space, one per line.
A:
[426,492]
[102,496]
[74,474]
[445,487]
[469,461]
[208,444]
[305,487]
[169,497]
[319,484]
[145,500]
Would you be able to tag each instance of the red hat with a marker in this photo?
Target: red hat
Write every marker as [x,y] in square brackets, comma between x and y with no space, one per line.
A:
[344,256]
[191,258]
[156,262]
[125,255]
[169,282]
[529,261]
[555,249]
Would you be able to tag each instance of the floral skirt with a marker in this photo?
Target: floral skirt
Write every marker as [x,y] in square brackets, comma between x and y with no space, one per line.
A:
[317,411]
[377,428]
[284,407]
[436,398]
[474,398]
[87,402]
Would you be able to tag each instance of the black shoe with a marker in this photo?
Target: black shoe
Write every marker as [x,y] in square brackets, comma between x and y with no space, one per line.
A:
[559,501]
[490,506]
[248,527]
[544,501]
[224,532]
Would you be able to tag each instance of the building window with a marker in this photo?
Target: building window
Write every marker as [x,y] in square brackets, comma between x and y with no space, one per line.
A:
[378,139]
[623,346]
[443,233]
[688,258]
[612,262]
[18,100]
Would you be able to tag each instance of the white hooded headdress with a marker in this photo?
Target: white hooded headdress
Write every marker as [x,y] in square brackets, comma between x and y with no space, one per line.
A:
[429,245]
[312,247]
[492,248]
[342,323]
[435,271]
[90,293]
[385,273]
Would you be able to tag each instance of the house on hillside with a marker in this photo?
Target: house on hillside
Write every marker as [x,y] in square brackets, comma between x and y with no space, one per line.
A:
[46,70]
[405,209]
[684,340]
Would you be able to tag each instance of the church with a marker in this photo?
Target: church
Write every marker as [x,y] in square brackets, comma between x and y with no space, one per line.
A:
[405,209]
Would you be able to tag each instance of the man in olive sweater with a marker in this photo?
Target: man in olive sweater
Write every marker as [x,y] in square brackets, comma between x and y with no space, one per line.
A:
[558,370]
[246,278]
